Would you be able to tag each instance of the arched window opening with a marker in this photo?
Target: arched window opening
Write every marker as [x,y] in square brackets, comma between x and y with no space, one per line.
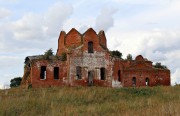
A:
[134,81]
[56,73]
[147,81]
[119,75]
[90,47]
[43,72]
[103,75]
[78,72]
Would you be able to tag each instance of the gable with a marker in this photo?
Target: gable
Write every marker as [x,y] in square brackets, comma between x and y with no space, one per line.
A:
[73,38]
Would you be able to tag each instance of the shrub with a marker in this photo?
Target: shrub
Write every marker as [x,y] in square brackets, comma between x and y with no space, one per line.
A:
[48,53]
[116,53]
[15,82]
[158,65]
[129,57]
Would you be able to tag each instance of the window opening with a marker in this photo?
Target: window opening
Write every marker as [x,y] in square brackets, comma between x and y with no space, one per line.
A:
[90,47]
[78,72]
[119,75]
[103,76]
[56,72]
[43,72]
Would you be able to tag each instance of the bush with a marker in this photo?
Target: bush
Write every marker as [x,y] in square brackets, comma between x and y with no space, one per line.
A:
[116,53]
[15,82]
[158,65]
[129,57]
[48,53]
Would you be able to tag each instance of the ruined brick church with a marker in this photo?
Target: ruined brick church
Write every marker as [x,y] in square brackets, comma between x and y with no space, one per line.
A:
[84,60]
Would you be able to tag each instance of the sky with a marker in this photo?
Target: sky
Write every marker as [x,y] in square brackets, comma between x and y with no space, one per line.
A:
[147,27]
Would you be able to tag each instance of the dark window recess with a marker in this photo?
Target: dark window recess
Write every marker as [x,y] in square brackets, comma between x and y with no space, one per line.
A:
[90,78]
[103,75]
[56,72]
[90,47]
[134,81]
[147,81]
[78,72]
[119,75]
[43,72]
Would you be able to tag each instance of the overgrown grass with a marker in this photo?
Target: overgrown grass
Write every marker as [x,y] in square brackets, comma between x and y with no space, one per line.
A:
[90,101]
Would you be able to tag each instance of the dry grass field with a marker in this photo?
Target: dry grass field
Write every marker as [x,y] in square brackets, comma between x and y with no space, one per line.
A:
[87,101]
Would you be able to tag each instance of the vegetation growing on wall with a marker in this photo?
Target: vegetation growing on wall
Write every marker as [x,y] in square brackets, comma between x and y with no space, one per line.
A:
[48,53]
[129,57]
[63,56]
[116,53]
[159,65]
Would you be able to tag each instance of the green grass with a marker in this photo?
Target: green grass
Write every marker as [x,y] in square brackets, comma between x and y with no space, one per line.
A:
[154,101]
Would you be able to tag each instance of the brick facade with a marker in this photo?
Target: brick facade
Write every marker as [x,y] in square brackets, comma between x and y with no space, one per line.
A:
[89,63]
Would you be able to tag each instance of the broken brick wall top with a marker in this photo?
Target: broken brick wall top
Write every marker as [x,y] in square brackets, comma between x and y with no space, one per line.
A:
[73,39]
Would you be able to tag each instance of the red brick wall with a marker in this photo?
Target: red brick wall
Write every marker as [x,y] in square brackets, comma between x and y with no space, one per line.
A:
[76,47]
[73,39]
[102,39]
[61,42]
[49,81]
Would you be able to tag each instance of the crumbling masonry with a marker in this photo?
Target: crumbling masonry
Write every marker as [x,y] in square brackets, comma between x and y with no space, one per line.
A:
[84,60]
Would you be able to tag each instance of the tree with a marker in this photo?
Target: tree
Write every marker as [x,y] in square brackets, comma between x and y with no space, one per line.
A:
[129,57]
[116,53]
[48,53]
[158,65]
[15,82]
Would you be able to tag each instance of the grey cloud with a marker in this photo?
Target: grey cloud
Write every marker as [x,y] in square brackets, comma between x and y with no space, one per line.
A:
[105,19]
[160,43]
[30,31]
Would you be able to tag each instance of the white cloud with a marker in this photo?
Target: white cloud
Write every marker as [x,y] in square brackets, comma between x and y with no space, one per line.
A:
[56,17]
[30,26]
[40,26]
[105,20]
[158,14]
[161,42]
[4,13]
